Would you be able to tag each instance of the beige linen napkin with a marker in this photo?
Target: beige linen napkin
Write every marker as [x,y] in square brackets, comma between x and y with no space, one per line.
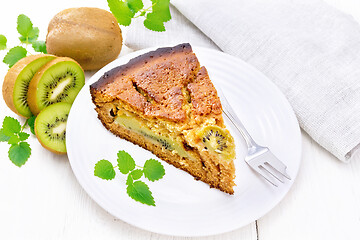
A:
[310,50]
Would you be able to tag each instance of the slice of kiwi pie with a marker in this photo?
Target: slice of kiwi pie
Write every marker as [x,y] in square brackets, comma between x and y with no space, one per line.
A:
[165,102]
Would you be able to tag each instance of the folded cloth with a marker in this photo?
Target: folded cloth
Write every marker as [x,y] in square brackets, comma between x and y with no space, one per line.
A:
[310,50]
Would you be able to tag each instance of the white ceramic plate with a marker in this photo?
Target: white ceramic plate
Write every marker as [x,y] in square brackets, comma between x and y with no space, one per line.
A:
[185,207]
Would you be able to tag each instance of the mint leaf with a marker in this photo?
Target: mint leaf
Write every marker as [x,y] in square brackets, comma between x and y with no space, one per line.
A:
[104,169]
[135,5]
[19,153]
[33,35]
[153,170]
[121,11]
[3,42]
[140,192]
[31,123]
[125,10]
[125,162]
[137,190]
[3,136]
[160,13]
[153,23]
[14,55]
[161,10]
[129,180]
[136,174]
[23,136]
[14,140]
[39,46]
[31,38]
[10,126]
[24,25]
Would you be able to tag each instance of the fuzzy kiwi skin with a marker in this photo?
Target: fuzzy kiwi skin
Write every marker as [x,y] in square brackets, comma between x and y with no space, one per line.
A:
[11,77]
[32,92]
[91,36]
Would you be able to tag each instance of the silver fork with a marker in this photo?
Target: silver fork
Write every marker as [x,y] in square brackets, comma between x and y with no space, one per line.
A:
[259,158]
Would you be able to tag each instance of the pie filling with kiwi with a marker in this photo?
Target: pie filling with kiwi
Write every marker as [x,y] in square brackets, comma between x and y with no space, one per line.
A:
[213,138]
[165,102]
[157,136]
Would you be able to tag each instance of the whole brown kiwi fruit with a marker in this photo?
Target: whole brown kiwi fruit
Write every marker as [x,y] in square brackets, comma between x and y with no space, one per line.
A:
[91,36]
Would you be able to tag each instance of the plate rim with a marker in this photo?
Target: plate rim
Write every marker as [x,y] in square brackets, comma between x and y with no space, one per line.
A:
[195,48]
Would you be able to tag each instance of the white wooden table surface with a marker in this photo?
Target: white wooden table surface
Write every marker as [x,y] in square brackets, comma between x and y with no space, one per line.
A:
[43,200]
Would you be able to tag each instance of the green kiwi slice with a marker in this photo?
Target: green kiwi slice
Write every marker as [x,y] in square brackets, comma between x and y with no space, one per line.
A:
[217,140]
[60,80]
[50,127]
[17,80]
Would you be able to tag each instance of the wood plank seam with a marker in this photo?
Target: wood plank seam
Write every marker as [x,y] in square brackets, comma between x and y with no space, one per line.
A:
[257,230]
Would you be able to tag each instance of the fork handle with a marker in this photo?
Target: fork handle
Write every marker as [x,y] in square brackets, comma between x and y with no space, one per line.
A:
[230,113]
[241,128]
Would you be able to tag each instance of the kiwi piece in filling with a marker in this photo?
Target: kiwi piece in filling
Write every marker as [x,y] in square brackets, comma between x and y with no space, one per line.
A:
[218,141]
[60,80]
[50,127]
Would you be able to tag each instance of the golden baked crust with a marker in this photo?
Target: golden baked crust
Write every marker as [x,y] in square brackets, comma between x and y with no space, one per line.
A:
[203,95]
[152,83]
[166,93]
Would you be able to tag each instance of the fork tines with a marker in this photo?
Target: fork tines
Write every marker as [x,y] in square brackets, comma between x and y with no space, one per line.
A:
[268,166]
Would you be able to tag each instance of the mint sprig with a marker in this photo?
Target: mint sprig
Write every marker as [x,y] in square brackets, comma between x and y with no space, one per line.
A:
[155,15]
[3,42]
[13,133]
[138,190]
[28,36]
[25,28]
